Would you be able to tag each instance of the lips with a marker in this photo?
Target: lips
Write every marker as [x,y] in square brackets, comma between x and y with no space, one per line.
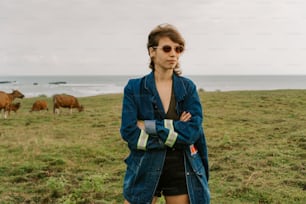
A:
[171,61]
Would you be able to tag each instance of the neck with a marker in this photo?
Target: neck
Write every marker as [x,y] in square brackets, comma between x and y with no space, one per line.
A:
[11,96]
[163,75]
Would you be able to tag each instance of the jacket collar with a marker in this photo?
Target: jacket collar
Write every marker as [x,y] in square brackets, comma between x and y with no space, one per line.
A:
[178,86]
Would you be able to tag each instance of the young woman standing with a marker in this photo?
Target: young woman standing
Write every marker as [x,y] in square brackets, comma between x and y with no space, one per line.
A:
[162,125]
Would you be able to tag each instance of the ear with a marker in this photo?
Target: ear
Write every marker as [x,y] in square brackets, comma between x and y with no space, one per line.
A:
[151,52]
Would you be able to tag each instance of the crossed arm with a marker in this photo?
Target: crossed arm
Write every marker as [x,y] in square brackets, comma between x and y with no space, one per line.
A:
[185,116]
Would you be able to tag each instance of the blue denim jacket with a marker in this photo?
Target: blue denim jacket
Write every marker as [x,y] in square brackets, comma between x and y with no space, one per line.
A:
[148,147]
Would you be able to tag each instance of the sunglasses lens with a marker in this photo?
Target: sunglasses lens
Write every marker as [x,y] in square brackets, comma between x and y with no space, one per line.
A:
[179,49]
[167,48]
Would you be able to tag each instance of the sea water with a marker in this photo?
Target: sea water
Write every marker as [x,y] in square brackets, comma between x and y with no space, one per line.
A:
[32,86]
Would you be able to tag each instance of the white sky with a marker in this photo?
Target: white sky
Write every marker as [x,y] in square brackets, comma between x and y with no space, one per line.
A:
[95,37]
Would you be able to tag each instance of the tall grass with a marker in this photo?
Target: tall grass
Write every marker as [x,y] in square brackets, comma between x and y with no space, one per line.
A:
[256,142]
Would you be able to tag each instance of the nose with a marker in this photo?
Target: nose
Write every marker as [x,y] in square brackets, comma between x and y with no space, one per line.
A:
[173,52]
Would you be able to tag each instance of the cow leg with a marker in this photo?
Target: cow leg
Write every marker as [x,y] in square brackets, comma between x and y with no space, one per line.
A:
[55,109]
[6,111]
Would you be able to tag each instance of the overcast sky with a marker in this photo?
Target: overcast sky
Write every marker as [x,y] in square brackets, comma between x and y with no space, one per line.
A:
[98,37]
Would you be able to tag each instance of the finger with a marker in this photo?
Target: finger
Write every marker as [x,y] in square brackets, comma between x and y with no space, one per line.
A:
[185,116]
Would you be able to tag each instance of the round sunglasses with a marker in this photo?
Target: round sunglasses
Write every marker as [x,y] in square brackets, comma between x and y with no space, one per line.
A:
[168,48]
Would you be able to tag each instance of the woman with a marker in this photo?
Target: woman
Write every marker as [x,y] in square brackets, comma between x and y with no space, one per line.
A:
[162,124]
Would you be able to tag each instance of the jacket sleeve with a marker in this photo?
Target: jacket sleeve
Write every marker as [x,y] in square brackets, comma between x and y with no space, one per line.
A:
[175,132]
[134,136]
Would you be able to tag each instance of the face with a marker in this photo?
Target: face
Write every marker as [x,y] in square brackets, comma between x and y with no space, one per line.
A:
[166,54]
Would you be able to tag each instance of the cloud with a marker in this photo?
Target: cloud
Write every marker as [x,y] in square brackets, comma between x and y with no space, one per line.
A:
[102,37]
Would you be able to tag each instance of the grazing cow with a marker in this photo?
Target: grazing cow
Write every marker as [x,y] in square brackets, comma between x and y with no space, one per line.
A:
[14,107]
[39,105]
[66,101]
[6,100]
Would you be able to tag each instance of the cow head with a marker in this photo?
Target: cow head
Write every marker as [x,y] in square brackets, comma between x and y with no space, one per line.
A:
[81,108]
[17,94]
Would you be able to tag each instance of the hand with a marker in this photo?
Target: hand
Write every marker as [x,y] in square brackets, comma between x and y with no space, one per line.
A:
[140,124]
[185,116]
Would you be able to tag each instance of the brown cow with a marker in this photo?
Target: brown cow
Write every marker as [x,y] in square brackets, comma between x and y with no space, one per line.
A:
[39,105]
[6,99]
[66,101]
[14,107]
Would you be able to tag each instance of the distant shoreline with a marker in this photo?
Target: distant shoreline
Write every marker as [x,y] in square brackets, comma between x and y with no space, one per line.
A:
[200,91]
[81,86]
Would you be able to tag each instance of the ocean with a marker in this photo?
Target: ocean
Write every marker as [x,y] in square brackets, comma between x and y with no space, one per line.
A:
[81,86]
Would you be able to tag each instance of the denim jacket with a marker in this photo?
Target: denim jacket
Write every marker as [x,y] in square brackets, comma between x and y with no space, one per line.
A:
[148,147]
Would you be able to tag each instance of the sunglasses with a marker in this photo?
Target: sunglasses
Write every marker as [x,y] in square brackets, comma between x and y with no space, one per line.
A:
[168,48]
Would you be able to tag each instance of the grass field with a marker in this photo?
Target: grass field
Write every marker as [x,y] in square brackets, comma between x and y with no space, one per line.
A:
[256,141]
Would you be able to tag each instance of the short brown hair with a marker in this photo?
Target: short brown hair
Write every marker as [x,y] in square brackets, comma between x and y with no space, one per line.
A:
[164,30]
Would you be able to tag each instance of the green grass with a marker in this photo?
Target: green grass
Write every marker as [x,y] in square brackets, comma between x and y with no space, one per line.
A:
[256,142]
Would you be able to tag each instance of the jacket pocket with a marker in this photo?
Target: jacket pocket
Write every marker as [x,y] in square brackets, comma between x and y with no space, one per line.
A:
[195,162]
[133,162]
